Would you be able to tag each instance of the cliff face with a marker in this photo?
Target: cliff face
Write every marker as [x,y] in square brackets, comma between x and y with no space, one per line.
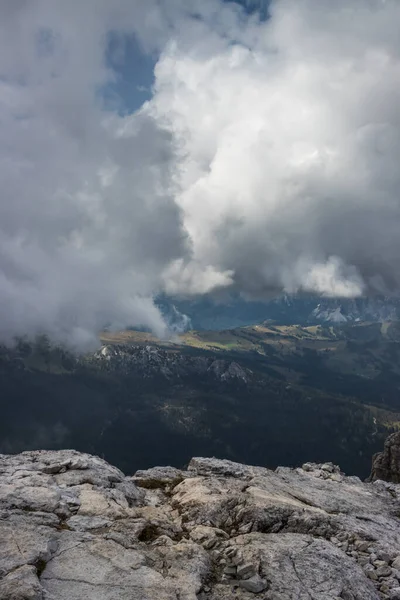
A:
[73,527]
[386,464]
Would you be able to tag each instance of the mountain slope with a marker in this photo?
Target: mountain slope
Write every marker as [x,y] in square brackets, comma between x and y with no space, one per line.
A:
[266,395]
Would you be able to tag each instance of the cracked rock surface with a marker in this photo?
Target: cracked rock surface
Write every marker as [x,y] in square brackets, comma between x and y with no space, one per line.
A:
[73,527]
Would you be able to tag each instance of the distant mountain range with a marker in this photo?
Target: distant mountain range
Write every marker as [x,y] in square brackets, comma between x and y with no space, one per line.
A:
[207,313]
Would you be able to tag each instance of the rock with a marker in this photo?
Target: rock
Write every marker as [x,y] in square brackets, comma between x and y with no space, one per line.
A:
[394,594]
[254,584]
[158,477]
[384,571]
[307,467]
[385,556]
[246,571]
[361,546]
[386,464]
[346,595]
[21,584]
[74,527]
[230,571]
[328,467]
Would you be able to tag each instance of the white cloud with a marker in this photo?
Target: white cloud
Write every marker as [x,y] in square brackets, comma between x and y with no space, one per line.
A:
[266,159]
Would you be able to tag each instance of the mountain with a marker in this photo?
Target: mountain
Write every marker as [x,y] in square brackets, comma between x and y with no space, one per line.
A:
[231,311]
[262,394]
[73,526]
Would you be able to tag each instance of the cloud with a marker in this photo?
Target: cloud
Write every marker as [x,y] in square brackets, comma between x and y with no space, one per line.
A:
[265,160]
[88,220]
[288,142]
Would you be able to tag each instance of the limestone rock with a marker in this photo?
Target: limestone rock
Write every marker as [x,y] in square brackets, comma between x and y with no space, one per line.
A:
[386,464]
[254,584]
[21,584]
[74,527]
[158,477]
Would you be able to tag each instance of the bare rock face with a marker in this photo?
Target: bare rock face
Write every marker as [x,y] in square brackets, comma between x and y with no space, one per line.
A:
[73,527]
[386,464]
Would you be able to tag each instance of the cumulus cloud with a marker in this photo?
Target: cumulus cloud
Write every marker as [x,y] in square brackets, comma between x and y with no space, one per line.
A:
[265,160]
[288,143]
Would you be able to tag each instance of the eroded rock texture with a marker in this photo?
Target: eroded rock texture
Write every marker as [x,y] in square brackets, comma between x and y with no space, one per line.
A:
[386,464]
[73,527]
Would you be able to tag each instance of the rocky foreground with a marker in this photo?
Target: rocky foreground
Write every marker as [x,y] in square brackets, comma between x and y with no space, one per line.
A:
[72,527]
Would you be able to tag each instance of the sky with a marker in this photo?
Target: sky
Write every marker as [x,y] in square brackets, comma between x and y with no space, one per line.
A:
[187,147]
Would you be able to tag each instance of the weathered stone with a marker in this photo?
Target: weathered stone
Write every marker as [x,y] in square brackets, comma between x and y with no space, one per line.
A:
[21,584]
[382,555]
[385,571]
[361,546]
[307,467]
[328,467]
[346,595]
[73,527]
[246,571]
[230,571]
[386,464]
[158,477]
[396,563]
[254,584]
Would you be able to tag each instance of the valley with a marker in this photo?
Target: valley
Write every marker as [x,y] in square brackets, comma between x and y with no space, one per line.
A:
[265,394]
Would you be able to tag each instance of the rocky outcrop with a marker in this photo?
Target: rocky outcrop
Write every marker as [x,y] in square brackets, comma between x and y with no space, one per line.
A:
[73,527]
[386,464]
[149,361]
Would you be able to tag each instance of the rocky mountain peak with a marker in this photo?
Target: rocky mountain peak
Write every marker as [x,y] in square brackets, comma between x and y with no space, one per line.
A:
[73,527]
